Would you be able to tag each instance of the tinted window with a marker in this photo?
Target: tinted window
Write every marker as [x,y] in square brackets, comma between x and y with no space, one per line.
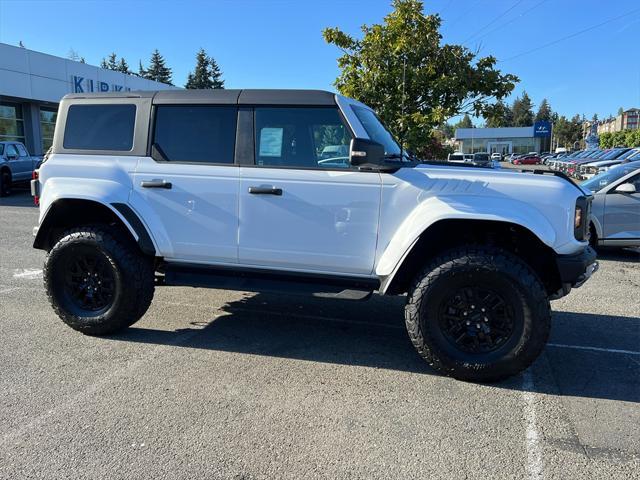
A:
[22,151]
[100,127]
[196,133]
[11,151]
[301,137]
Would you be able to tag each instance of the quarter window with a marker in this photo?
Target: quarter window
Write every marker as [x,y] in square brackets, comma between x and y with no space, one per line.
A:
[301,137]
[196,133]
[100,127]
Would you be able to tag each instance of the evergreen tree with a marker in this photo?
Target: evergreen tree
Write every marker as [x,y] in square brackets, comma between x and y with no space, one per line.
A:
[123,66]
[544,112]
[620,111]
[522,111]
[142,72]
[157,70]
[207,74]
[500,115]
[465,122]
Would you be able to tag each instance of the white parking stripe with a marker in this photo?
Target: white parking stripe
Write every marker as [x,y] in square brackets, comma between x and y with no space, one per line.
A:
[532,436]
[9,290]
[594,349]
[28,273]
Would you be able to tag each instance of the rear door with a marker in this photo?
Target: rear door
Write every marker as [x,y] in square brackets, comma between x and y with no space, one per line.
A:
[301,209]
[622,213]
[188,193]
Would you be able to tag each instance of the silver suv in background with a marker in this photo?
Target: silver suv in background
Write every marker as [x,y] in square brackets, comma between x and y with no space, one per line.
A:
[615,214]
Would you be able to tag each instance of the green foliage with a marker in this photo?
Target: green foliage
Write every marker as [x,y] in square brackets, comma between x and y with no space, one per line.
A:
[112,63]
[440,80]
[544,112]
[623,138]
[206,75]
[522,111]
[157,71]
[567,132]
[500,115]
[465,122]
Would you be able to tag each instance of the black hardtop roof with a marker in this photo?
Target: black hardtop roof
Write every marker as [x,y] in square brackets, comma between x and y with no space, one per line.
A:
[222,97]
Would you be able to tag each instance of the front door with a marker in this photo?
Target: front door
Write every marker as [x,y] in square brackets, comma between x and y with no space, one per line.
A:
[302,206]
[189,198]
[622,213]
[18,164]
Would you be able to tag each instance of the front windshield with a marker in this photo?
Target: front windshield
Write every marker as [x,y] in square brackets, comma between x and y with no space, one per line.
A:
[600,181]
[376,130]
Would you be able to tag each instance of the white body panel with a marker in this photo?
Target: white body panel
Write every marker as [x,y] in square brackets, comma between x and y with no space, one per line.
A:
[197,219]
[413,199]
[325,221]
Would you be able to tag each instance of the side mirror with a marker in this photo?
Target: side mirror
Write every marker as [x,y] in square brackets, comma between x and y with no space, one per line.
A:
[626,188]
[364,152]
[12,157]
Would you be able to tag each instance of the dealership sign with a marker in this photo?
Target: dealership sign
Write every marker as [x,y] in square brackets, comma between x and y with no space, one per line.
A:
[82,85]
[542,129]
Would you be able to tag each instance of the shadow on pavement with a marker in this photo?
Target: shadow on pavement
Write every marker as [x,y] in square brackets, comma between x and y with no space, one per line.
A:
[619,254]
[20,197]
[373,335]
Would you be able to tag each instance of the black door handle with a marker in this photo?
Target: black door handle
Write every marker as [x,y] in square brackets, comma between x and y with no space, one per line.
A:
[156,184]
[265,191]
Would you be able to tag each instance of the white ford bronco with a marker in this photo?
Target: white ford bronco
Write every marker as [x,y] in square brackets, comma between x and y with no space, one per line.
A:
[301,192]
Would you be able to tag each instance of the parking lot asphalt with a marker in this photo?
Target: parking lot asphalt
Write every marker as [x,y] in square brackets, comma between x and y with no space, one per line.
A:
[219,384]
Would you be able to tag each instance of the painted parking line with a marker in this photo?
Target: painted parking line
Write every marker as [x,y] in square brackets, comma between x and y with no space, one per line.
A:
[593,349]
[534,464]
[27,273]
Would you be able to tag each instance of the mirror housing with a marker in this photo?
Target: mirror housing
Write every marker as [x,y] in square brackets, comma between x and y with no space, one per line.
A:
[364,152]
[626,188]
[12,157]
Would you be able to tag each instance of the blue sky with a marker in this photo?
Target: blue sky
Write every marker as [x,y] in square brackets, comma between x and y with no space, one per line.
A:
[278,43]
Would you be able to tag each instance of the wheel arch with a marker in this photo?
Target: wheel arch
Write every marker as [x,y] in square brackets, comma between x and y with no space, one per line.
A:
[446,234]
[69,212]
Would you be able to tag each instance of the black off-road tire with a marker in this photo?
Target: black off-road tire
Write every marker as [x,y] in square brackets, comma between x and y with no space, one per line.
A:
[5,183]
[130,273]
[491,268]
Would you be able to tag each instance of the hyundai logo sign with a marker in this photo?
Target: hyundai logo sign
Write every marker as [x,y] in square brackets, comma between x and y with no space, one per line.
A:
[82,85]
[542,129]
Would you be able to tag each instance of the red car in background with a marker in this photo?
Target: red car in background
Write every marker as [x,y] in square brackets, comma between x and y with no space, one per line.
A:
[528,160]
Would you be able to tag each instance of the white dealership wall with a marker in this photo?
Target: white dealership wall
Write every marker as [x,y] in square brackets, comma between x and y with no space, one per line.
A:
[35,79]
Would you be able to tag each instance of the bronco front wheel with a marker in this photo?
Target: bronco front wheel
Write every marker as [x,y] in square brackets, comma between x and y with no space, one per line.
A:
[478,314]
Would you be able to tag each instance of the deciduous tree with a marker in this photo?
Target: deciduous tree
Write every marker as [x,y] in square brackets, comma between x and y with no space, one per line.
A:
[402,69]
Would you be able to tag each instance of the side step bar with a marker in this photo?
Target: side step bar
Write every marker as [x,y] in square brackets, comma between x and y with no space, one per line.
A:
[268,281]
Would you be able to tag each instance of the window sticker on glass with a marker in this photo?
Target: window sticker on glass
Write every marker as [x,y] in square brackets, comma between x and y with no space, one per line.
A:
[271,142]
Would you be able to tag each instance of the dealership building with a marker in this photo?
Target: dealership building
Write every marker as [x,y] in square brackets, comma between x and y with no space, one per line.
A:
[505,140]
[32,84]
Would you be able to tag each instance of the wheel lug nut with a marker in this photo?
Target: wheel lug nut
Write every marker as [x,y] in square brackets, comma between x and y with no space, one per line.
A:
[477,325]
[483,310]
[468,322]
[473,306]
[464,313]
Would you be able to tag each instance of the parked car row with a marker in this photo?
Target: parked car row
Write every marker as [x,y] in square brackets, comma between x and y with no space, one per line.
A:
[479,159]
[585,164]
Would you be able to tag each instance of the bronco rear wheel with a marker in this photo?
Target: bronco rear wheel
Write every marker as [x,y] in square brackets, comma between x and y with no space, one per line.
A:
[97,281]
[478,314]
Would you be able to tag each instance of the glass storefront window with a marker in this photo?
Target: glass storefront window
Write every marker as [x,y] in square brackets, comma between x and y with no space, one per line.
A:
[11,122]
[48,117]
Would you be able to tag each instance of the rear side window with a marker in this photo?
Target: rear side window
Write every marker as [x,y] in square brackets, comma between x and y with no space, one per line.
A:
[196,133]
[100,127]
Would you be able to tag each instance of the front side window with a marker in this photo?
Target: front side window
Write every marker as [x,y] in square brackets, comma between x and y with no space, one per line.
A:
[376,130]
[22,151]
[12,151]
[196,133]
[100,127]
[309,137]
